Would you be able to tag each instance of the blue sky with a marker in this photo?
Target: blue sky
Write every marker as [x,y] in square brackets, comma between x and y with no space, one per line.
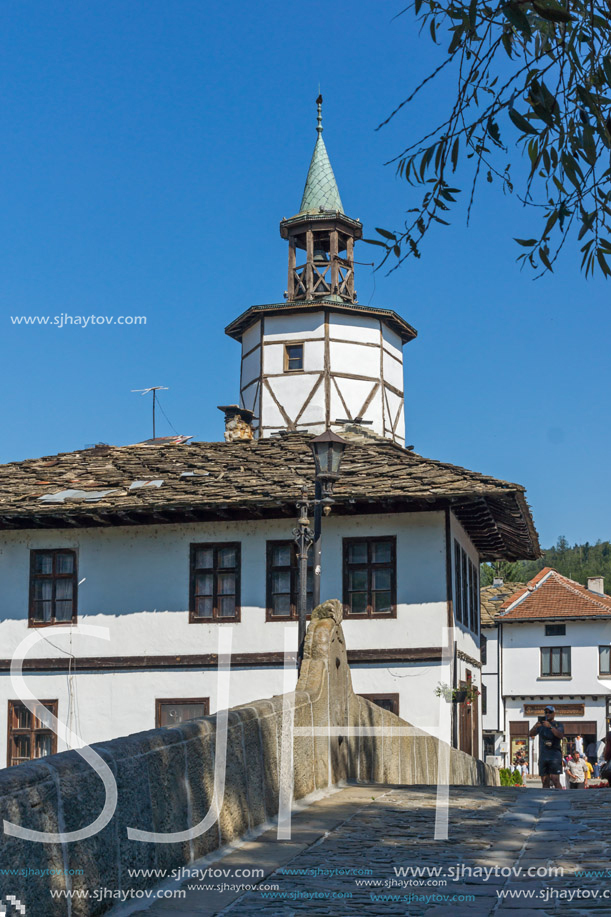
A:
[149,151]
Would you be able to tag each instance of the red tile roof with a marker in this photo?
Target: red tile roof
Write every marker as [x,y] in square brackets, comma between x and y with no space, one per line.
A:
[551,595]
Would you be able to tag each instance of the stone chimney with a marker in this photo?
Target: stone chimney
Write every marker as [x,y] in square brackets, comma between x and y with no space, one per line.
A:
[596,584]
[238,423]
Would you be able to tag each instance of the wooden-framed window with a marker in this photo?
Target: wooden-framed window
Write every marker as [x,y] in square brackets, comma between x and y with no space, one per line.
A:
[283,581]
[293,358]
[555,630]
[484,700]
[215,582]
[385,701]
[483,649]
[28,739]
[555,660]
[370,577]
[466,589]
[172,711]
[474,587]
[458,580]
[52,587]
[604,660]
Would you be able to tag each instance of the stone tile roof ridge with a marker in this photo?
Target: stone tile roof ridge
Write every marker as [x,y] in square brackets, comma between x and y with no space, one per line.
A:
[492,599]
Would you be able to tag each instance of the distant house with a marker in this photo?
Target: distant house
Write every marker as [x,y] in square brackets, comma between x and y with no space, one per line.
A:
[167,543]
[548,642]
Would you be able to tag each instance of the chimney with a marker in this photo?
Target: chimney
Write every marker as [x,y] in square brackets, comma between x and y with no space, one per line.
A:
[596,584]
[497,581]
[238,423]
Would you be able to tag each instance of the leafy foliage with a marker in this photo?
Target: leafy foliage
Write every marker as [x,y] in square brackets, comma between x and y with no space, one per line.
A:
[509,777]
[531,74]
[577,562]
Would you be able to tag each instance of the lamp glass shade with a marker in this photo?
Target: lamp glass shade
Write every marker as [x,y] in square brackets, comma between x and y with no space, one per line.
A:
[328,449]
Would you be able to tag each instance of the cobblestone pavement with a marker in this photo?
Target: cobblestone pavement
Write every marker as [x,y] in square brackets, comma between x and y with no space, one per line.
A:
[496,837]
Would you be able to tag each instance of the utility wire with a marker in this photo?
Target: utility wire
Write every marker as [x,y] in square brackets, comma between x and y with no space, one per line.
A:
[166,417]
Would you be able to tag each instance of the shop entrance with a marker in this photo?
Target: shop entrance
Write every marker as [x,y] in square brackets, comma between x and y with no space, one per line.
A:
[573,728]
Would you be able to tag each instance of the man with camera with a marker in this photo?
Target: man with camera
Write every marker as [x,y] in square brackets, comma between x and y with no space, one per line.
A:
[550,735]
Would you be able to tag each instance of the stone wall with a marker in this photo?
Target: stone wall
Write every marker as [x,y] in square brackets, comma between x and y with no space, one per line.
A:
[165,781]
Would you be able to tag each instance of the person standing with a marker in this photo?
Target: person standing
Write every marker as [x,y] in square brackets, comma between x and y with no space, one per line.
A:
[576,772]
[579,745]
[550,735]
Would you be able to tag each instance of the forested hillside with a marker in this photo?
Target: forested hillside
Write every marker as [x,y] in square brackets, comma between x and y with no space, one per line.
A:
[577,562]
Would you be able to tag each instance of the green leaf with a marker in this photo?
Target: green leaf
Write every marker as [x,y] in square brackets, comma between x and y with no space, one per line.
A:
[603,263]
[517,17]
[527,243]
[544,258]
[552,11]
[472,13]
[589,146]
[506,38]
[386,234]
[455,153]
[572,170]
[550,222]
[375,242]
[587,99]
[521,122]
[607,68]
[456,39]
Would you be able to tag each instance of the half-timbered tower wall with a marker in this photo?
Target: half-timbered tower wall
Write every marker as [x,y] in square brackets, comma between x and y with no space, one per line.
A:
[350,367]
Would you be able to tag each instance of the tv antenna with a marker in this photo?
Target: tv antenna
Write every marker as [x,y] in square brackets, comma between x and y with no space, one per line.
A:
[154,389]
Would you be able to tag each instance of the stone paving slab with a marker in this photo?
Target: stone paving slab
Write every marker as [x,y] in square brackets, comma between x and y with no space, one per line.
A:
[366,833]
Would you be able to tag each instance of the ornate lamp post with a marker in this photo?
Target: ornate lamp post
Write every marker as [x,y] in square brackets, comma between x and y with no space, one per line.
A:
[328,449]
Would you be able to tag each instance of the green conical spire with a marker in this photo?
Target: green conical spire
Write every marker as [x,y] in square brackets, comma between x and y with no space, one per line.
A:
[320,192]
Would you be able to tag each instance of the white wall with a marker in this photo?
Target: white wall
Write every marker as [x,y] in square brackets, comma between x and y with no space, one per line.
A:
[493,719]
[521,658]
[136,584]
[101,705]
[358,345]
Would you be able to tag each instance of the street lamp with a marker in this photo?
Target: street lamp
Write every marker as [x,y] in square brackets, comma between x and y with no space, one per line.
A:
[327,449]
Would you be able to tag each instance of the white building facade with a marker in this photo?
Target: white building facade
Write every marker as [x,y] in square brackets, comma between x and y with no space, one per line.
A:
[551,644]
[166,545]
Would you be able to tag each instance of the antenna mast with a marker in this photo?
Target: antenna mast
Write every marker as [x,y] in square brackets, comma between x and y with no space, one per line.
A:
[154,389]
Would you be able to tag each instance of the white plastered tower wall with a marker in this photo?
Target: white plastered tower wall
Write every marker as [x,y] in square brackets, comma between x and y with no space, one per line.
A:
[352,368]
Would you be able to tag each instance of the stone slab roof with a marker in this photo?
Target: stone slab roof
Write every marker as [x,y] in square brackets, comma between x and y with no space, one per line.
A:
[492,599]
[551,595]
[146,484]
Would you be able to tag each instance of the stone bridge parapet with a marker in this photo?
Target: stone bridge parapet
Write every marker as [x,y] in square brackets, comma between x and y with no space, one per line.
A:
[165,781]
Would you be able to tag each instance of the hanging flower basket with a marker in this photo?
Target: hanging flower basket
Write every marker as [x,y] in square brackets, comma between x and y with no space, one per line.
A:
[456,695]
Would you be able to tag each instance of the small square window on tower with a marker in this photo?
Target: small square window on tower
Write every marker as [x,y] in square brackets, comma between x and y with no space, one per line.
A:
[293,358]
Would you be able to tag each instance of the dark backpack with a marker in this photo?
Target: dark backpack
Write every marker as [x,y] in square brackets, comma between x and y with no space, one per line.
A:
[605,771]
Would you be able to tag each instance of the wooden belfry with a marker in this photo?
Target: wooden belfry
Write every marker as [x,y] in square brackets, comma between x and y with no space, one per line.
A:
[321,237]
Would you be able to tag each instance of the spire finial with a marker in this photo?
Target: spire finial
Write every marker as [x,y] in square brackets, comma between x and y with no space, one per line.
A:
[319,126]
